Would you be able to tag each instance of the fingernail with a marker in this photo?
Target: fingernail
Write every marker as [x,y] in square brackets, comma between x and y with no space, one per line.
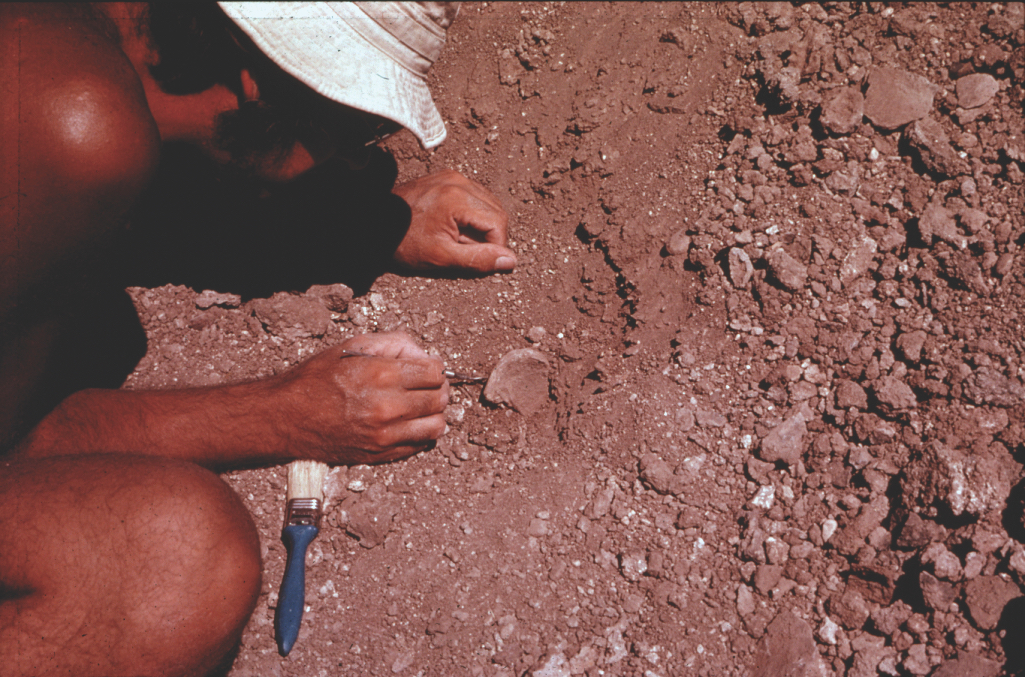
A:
[505,263]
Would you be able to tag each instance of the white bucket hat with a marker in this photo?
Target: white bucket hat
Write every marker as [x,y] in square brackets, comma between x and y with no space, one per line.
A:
[373,56]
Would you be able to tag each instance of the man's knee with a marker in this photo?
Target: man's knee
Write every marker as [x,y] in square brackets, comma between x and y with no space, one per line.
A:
[204,565]
[158,558]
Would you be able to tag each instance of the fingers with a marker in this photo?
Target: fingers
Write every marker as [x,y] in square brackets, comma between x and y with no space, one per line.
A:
[485,215]
[483,258]
[396,345]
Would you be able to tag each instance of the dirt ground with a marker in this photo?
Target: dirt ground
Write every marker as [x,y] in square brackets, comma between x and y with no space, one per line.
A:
[771,254]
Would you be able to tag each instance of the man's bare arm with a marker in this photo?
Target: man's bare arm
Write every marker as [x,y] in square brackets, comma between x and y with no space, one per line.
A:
[331,408]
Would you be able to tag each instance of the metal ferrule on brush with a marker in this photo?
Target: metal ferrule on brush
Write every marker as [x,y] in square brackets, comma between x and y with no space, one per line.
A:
[304,511]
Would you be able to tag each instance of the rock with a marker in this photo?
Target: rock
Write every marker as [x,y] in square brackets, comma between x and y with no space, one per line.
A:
[896,97]
[827,631]
[894,395]
[986,597]
[888,619]
[292,316]
[745,600]
[600,504]
[850,609]
[520,381]
[711,419]
[785,442]
[657,474]
[910,345]
[945,564]
[679,243]
[972,481]
[850,394]
[790,272]
[988,386]
[555,666]
[843,113]
[334,297]
[766,577]
[918,532]
[870,657]
[937,594]
[370,520]
[788,650]
[858,260]
[633,565]
[976,89]
[927,137]
[536,334]
[741,268]
[938,222]
[917,661]
[967,665]
[852,538]
[211,298]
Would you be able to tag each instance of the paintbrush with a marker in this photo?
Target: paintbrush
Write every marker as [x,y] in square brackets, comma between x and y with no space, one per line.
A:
[305,503]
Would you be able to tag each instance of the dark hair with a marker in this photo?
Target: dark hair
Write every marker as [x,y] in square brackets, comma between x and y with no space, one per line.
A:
[199,47]
[196,47]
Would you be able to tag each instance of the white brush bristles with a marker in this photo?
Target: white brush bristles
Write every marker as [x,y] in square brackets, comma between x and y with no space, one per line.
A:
[306,480]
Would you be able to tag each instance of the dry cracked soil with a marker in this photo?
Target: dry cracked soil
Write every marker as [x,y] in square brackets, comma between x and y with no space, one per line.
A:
[772,423]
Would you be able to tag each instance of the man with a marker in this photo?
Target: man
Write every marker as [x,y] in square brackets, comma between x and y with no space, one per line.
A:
[120,552]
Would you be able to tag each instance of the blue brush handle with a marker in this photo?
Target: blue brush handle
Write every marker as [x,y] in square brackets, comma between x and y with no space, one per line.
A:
[292,598]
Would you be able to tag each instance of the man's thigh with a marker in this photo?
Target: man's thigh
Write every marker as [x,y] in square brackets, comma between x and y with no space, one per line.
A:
[114,564]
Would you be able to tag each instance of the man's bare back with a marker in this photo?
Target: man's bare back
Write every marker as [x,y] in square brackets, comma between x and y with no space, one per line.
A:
[105,505]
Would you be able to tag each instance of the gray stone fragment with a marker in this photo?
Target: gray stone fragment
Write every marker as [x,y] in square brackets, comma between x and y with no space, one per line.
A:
[976,89]
[788,650]
[790,272]
[520,381]
[843,113]
[927,137]
[896,97]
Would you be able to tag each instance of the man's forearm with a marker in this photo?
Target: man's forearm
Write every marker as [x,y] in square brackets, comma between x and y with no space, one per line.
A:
[222,427]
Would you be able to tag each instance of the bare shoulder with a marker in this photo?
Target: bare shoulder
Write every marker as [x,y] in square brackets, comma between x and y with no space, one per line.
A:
[78,105]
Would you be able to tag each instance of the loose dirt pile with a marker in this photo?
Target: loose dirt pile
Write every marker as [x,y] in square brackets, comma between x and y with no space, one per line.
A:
[770,265]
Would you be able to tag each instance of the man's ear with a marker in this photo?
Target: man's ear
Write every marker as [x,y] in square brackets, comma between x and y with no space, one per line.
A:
[250,90]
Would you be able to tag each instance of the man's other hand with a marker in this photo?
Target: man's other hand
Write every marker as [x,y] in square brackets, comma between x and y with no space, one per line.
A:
[456,223]
[385,405]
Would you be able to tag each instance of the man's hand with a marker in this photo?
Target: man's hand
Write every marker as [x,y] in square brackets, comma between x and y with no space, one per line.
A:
[353,409]
[456,223]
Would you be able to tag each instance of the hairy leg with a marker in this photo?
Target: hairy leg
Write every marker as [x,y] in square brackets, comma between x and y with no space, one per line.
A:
[121,565]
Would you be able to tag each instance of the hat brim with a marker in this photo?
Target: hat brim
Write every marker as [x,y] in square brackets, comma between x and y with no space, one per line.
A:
[312,42]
